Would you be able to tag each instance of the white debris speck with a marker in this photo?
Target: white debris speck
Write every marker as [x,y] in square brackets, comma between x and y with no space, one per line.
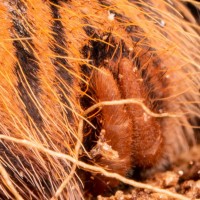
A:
[111,16]
[167,76]
[106,147]
[105,37]
[21,174]
[120,76]
[180,172]
[146,117]
[162,23]
[130,48]
[191,162]
[160,111]
[103,148]
[119,195]
[135,69]
[140,79]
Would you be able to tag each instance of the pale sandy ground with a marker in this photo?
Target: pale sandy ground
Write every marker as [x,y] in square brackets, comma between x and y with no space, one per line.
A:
[182,178]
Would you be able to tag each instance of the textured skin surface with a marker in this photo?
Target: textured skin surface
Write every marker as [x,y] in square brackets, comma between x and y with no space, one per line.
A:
[58,58]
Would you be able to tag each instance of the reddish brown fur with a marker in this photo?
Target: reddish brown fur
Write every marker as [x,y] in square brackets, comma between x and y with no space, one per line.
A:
[117,125]
[127,129]
[147,135]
